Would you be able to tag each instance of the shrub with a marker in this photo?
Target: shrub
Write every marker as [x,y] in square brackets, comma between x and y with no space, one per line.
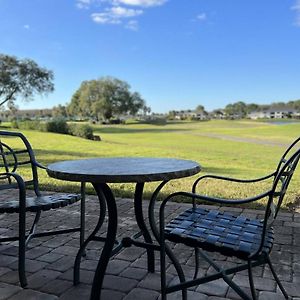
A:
[58,125]
[155,121]
[84,131]
[28,125]
[14,124]
[116,121]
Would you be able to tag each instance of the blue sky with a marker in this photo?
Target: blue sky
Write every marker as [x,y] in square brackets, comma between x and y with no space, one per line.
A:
[176,53]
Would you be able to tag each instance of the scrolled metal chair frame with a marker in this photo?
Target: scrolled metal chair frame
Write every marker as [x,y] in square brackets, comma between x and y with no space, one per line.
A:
[275,195]
[15,181]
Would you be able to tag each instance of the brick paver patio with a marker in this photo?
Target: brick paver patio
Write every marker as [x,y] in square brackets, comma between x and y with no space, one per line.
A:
[50,261]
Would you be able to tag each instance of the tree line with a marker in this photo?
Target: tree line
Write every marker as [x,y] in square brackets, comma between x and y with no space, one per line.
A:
[242,109]
[100,99]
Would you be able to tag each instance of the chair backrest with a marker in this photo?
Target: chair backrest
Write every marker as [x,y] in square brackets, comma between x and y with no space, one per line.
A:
[282,179]
[284,174]
[294,146]
[17,154]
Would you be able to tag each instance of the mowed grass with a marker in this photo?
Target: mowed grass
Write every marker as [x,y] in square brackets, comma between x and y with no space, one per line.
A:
[242,149]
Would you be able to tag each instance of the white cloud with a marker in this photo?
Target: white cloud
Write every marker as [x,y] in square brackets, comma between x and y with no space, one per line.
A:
[83,4]
[123,12]
[201,17]
[104,18]
[27,27]
[296,8]
[116,11]
[132,25]
[114,15]
[142,3]
[297,5]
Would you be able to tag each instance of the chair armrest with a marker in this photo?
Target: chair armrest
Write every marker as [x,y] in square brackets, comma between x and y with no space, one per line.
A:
[217,200]
[231,179]
[17,177]
[40,165]
[20,184]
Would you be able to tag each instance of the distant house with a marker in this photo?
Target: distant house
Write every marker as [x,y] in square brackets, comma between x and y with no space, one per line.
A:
[235,116]
[184,114]
[29,114]
[218,114]
[190,114]
[254,115]
[274,113]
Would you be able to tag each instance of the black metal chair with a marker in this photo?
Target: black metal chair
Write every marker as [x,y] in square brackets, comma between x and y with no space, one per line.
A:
[214,230]
[15,200]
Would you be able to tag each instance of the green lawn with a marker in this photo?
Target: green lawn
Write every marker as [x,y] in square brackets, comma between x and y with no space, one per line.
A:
[235,148]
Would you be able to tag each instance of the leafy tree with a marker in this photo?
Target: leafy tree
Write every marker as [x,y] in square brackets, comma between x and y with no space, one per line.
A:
[146,110]
[201,110]
[238,108]
[263,107]
[252,107]
[171,114]
[229,109]
[105,98]
[218,113]
[295,104]
[59,111]
[22,78]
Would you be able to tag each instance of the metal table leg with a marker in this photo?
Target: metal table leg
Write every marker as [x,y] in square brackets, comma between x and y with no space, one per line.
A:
[104,192]
[138,210]
[81,251]
[82,214]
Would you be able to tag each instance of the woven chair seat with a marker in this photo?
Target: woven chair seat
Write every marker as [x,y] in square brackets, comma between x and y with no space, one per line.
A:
[213,230]
[35,204]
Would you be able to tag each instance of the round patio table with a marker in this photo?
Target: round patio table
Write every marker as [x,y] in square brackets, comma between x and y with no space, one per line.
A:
[100,172]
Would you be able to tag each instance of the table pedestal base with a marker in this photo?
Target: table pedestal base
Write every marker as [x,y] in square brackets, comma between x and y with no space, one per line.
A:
[112,246]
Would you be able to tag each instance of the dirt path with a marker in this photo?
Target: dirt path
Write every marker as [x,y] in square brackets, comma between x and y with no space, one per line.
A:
[243,139]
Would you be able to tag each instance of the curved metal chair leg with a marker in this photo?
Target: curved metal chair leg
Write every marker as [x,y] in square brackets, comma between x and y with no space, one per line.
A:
[196,263]
[22,247]
[155,231]
[276,278]
[250,275]
[81,251]
[33,227]
[163,272]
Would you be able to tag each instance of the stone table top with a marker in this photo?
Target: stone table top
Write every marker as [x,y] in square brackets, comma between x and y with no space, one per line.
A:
[123,169]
